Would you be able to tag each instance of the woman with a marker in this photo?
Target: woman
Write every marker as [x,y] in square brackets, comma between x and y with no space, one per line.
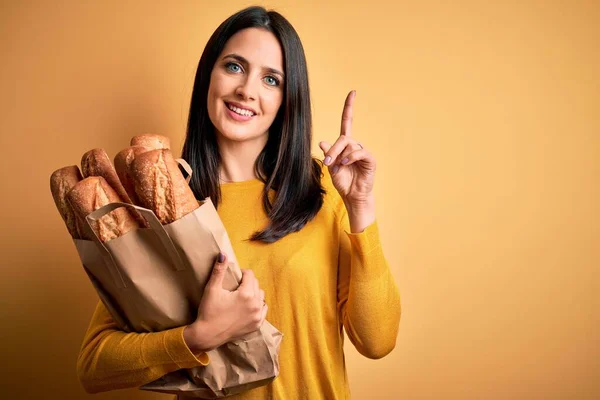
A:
[306,232]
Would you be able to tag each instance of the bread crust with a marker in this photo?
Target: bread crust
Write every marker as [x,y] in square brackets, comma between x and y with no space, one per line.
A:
[61,182]
[97,163]
[92,193]
[123,161]
[151,140]
[161,187]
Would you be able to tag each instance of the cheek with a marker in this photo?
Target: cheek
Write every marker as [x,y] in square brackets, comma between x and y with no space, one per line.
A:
[214,91]
[218,85]
[274,102]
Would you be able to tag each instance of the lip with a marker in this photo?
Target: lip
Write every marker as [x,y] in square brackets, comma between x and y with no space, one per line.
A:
[243,107]
[237,117]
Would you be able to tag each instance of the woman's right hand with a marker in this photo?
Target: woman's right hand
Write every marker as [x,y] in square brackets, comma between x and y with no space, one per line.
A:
[224,315]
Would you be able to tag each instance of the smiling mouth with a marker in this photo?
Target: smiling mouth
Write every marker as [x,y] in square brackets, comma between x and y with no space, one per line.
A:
[240,111]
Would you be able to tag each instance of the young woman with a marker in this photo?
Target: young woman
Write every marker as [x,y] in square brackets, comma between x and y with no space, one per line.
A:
[305,229]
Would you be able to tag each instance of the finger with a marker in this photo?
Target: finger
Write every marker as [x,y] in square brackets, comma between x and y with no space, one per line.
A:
[256,288]
[262,295]
[364,156]
[218,271]
[347,114]
[325,146]
[264,313]
[247,283]
[334,151]
[352,147]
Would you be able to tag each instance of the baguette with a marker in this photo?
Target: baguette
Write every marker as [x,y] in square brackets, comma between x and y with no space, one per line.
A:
[61,182]
[161,187]
[94,192]
[123,161]
[96,163]
[151,140]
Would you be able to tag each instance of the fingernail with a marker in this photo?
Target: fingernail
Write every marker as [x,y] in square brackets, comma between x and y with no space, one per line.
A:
[327,160]
[221,257]
[335,168]
[345,160]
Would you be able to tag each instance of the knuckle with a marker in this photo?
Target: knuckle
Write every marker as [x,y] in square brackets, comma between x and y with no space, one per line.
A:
[245,295]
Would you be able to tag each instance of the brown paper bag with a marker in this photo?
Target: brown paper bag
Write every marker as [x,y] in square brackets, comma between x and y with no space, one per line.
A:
[152,279]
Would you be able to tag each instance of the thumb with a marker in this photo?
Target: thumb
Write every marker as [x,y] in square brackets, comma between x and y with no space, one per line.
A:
[324,146]
[218,271]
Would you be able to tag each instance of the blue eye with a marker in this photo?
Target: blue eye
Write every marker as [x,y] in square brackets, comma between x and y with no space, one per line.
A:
[272,81]
[231,67]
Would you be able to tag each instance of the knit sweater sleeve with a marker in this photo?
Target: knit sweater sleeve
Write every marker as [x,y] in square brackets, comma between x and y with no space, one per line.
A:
[368,298]
[111,359]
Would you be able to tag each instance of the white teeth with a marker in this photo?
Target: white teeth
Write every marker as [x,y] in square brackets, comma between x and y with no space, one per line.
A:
[240,111]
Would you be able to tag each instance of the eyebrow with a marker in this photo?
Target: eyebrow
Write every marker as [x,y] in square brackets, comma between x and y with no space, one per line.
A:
[243,60]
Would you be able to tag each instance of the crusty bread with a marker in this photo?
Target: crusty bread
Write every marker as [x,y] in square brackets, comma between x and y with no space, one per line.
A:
[161,187]
[96,163]
[151,140]
[123,161]
[61,182]
[94,192]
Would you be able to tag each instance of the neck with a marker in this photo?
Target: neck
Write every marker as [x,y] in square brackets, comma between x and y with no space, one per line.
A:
[238,158]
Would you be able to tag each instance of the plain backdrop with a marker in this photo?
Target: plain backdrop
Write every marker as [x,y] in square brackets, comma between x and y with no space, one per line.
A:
[484,119]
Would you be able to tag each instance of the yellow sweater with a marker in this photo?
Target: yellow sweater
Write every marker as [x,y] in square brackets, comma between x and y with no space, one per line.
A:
[316,281]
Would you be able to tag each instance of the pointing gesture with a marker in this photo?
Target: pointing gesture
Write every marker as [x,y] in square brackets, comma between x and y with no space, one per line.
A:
[352,167]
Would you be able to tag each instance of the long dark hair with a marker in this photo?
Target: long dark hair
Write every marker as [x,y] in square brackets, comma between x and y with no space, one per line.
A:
[285,164]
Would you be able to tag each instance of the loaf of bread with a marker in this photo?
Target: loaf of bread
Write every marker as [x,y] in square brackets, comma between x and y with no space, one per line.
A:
[96,163]
[90,194]
[61,182]
[151,140]
[161,187]
[123,161]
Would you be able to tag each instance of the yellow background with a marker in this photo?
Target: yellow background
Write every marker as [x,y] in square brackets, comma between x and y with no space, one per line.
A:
[483,116]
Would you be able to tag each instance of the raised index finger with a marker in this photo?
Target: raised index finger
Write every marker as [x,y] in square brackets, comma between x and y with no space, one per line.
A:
[346,129]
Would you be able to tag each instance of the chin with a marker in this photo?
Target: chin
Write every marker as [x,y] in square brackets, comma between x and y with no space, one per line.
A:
[238,134]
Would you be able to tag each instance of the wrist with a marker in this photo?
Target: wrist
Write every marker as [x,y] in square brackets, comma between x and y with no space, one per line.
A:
[360,214]
[360,206]
[199,338]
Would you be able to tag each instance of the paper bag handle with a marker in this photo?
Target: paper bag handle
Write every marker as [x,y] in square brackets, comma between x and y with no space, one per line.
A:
[154,223]
[186,167]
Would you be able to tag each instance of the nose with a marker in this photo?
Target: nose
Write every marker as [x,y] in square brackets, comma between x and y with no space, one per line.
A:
[247,89]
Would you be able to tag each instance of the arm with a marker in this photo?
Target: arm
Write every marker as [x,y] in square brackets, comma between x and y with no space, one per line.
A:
[368,299]
[111,359]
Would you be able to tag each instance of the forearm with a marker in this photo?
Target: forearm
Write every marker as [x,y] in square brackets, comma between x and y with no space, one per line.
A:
[371,310]
[372,314]
[112,359]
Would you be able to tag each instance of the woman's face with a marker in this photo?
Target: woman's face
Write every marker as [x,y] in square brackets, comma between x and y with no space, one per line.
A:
[246,86]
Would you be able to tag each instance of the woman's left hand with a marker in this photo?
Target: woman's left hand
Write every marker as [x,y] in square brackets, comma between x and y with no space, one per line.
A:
[352,169]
